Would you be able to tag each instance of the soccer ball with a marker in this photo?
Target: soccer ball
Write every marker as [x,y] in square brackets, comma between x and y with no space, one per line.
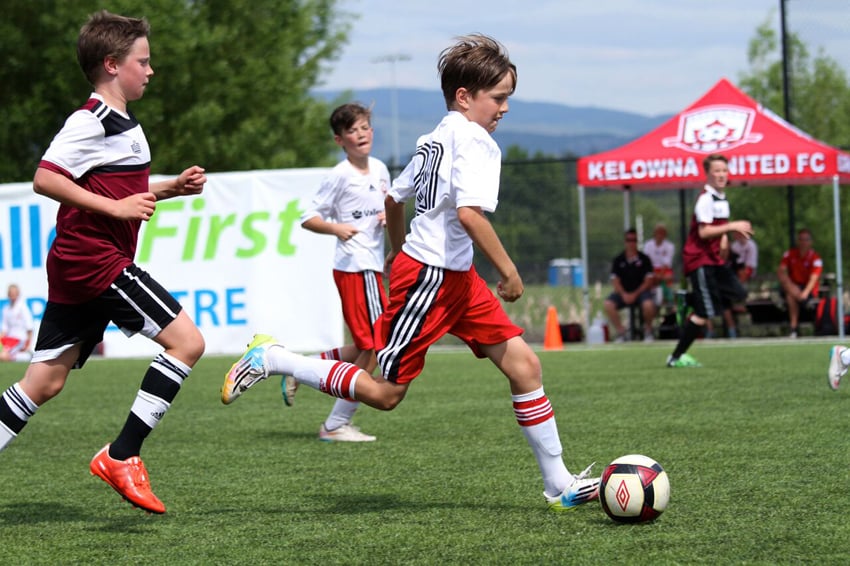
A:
[634,489]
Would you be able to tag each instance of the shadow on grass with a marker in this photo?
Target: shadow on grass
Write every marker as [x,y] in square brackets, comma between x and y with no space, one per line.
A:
[32,512]
[38,512]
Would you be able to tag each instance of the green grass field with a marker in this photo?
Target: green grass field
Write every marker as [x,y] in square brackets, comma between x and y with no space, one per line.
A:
[756,445]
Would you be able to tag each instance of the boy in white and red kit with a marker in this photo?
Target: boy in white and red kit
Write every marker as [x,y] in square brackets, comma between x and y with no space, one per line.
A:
[452,179]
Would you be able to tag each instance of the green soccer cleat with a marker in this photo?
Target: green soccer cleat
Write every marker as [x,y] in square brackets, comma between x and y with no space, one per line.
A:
[288,388]
[683,361]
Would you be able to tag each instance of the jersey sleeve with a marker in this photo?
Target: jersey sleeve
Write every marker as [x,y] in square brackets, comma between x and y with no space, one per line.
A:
[78,147]
[323,202]
[704,209]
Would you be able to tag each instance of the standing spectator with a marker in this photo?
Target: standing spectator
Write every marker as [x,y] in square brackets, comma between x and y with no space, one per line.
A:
[743,259]
[799,274]
[713,283]
[16,328]
[661,251]
[633,278]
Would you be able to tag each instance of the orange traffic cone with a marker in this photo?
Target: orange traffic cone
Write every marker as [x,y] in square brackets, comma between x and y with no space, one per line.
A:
[552,339]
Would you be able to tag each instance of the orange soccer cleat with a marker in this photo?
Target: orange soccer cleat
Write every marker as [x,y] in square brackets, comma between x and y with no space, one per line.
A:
[129,478]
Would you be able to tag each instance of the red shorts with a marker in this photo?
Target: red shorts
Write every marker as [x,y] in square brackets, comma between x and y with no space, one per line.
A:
[11,344]
[426,303]
[363,302]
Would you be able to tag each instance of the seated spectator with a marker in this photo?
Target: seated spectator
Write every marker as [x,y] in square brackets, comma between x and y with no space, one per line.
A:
[799,274]
[660,251]
[633,279]
[15,328]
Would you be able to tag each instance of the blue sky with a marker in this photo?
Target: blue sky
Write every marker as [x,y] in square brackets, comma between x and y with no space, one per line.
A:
[645,56]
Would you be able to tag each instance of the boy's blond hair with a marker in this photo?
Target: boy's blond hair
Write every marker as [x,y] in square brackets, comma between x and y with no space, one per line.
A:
[107,35]
[475,62]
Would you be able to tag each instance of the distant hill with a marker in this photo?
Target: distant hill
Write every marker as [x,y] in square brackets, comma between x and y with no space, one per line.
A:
[553,129]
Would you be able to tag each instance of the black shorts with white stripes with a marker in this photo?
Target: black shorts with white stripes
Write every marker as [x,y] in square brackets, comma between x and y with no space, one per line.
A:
[135,302]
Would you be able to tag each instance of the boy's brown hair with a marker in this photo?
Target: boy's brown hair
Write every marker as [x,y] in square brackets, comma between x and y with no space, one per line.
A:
[476,62]
[107,35]
[706,163]
[343,117]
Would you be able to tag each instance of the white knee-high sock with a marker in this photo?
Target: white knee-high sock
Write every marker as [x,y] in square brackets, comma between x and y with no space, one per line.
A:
[328,376]
[537,419]
[341,414]
[845,356]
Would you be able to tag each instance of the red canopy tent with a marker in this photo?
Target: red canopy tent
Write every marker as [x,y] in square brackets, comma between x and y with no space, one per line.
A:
[762,148]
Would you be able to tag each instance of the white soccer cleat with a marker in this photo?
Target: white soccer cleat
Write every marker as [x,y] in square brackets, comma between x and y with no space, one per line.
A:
[248,370]
[345,433]
[581,491]
[837,368]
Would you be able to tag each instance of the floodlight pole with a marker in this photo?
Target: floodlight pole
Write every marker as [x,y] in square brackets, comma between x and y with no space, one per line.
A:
[392,59]
[786,101]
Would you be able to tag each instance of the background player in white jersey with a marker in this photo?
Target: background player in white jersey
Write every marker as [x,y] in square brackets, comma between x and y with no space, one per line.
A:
[16,328]
[97,167]
[434,288]
[350,206]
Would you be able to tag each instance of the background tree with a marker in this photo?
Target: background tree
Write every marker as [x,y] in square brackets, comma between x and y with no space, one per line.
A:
[230,89]
[820,106]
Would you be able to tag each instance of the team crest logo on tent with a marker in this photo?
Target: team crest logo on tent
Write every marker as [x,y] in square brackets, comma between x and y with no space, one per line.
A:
[714,128]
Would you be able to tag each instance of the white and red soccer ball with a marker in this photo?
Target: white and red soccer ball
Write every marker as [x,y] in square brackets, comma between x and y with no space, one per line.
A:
[634,489]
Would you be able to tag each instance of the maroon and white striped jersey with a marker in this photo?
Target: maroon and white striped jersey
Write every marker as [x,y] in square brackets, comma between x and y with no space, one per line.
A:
[711,208]
[104,151]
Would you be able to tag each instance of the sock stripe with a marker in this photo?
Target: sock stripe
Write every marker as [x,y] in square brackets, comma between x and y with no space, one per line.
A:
[19,403]
[170,368]
[339,380]
[536,411]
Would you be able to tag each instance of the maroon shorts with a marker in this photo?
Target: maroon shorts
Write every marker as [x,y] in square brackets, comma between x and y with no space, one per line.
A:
[426,303]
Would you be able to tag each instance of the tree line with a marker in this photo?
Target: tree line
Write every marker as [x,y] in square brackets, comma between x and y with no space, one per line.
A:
[231,91]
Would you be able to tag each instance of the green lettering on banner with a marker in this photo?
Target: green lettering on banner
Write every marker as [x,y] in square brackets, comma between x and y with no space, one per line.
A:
[257,228]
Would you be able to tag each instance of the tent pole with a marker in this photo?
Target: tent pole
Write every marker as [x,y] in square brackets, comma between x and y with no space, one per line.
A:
[627,213]
[585,294]
[839,277]
[683,231]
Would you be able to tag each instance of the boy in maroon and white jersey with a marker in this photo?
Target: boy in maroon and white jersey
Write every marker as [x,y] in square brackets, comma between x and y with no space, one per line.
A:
[704,258]
[97,167]
[453,179]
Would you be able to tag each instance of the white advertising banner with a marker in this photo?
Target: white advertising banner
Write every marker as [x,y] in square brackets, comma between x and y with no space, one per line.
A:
[235,257]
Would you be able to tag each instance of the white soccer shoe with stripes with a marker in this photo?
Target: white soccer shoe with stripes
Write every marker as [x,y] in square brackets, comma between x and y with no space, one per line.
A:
[582,490]
[248,370]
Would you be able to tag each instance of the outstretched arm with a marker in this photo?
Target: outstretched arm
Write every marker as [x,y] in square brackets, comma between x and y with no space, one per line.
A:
[189,182]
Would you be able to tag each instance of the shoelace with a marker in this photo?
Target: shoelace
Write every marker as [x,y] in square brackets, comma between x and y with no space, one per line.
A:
[586,471]
[138,473]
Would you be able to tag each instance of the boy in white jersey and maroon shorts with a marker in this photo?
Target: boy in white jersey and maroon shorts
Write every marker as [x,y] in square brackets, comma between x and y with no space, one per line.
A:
[97,167]
[453,179]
